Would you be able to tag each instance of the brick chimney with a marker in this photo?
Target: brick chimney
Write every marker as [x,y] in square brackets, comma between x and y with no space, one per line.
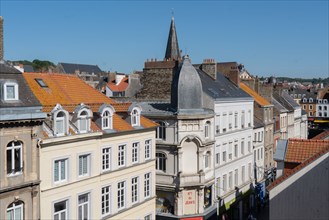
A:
[231,71]
[209,66]
[1,38]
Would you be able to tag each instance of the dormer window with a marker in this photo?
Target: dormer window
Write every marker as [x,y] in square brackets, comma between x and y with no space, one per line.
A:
[135,117]
[60,123]
[304,100]
[311,100]
[83,122]
[10,91]
[107,120]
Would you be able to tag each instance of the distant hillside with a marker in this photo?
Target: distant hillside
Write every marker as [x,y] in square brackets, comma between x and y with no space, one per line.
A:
[38,65]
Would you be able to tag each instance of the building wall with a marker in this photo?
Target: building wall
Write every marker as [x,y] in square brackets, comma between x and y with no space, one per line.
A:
[25,186]
[71,189]
[303,195]
[258,151]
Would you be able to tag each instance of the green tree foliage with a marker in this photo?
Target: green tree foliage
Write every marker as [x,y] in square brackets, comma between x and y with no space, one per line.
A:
[38,65]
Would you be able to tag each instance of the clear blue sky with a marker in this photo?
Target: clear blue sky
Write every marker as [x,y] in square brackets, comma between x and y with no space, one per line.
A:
[281,38]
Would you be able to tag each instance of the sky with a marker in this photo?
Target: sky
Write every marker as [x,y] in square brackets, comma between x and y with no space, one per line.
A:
[270,38]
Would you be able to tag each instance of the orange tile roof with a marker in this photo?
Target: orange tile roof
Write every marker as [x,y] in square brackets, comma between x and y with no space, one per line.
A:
[147,123]
[122,86]
[299,150]
[68,90]
[121,107]
[297,168]
[322,136]
[121,125]
[259,99]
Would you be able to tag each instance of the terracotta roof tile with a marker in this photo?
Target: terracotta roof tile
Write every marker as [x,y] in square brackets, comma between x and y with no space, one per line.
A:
[94,127]
[299,150]
[122,86]
[259,99]
[121,125]
[147,123]
[299,167]
[121,107]
[322,136]
[68,90]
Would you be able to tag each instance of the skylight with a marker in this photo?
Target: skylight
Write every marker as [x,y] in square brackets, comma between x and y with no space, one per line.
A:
[41,83]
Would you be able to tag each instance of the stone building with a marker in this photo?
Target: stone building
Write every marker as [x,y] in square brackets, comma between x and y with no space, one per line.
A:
[20,129]
[185,149]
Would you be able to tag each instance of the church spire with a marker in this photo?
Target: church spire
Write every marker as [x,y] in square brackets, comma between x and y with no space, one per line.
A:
[172,51]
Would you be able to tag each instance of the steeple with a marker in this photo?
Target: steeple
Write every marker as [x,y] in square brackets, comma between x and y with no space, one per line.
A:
[172,51]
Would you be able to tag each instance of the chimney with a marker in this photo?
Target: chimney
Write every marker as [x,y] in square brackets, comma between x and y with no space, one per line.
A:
[1,38]
[209,66]
[231,71]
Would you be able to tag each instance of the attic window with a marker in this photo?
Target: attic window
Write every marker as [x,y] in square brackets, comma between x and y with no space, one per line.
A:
[10,91]
[41,83]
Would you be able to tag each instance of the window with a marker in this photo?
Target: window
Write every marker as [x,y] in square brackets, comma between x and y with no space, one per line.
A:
[106,200]
[160,163]
[218,186]
[60,170]
[235,119]
[224,122]
[242,147]
[148,145]
[224,156]
[10,91]
[249,146]
[135,150]
[236,177]
[84,165]
[325,108]
[148,217]
[83,122]
[15,211]
[207,129]
[230,183]
[249,170]
[255,155]
[320,107]
[60,123]
[242,119]
[258,154]
[121,195]
[147,185]
[206,159]
[217,158]
[243,174]
[311,107]
[135,117]
[14,158]
[106,158]
[230,119]
[236,150]
[83,207]
[261,153]
[61,210]
[249,118]
[230,151]
[161,130]
[134,190]
[122,155]
[41,83]
[224,182]
[107,120]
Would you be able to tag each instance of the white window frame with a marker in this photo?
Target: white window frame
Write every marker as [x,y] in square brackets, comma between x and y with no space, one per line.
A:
[83,206]
[207,160]
[134,190]
[147,185]
[121,195]
[207,129]
[148,149]
[107,119]
[106,158]
[230,180]
[225,182]
[62,119]
[161,131]
[236,177]
[135,117]
[66,164]
[83,118]
[13,208]
[81,173]
[106,200]
[9,84]
[122,155]
[243,174]
[12,147]
[135,152]
[66,210]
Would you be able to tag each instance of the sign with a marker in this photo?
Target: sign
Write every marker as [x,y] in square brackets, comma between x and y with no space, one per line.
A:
[189,202]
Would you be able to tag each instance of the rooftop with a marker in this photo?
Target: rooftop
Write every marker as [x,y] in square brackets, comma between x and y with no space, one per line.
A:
[259,99]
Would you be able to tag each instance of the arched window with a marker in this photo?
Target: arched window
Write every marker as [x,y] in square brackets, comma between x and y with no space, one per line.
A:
[83,122]
[160,161]
[107,120]
[60,123]
[15,211]
[14,158]
[311,100]
[135,117]
[161,130]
